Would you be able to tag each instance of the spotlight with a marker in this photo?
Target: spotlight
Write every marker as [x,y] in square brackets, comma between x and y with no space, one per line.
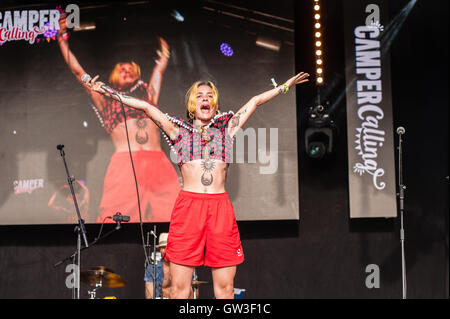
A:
[319,134]
[226,49]
[177,16]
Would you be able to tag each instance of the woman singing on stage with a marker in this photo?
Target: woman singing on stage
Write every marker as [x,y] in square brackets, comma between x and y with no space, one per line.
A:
[158,181]
[203,228]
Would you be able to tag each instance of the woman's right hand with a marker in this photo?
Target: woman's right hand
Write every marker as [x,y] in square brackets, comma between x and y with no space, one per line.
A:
[95,85]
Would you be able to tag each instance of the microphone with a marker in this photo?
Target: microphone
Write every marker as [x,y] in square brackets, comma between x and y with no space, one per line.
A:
[86,77]
[118,218]
[401,130]
[60,146]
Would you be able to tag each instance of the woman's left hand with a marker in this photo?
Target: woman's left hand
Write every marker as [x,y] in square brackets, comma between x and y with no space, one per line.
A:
[164,52]
[300,78]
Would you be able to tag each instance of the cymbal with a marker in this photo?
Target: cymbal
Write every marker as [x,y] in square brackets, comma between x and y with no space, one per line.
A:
[101,276]
[196,283]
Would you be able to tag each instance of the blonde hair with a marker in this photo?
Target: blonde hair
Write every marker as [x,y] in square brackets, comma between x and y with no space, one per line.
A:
[114,76]
[191,97]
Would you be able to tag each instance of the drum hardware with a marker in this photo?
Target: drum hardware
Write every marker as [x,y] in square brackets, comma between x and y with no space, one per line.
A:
[196,283]
[101,277]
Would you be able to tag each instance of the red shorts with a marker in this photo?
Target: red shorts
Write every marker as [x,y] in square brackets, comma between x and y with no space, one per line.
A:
[157,181]
[203,231]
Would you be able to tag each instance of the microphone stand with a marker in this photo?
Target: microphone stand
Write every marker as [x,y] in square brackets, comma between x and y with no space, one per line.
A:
[154,262]
[77,254]
[96,240]
[80,229]
[401,202]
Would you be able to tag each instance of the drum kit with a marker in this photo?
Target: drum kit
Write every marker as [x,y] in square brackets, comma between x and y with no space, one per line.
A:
[102,277]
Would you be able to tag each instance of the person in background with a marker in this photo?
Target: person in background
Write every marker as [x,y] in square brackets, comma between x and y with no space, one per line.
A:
[158,181]
[163,278]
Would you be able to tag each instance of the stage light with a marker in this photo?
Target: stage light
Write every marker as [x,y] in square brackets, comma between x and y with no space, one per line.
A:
[268,43]
[85,26]
[177,16]
[226,49]
[318,42]
[49,33]
[319,134]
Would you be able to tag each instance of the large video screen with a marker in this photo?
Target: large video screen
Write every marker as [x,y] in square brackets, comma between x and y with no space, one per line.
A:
[244,47]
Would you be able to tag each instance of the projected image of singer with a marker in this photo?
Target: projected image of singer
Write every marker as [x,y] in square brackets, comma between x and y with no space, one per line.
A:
[203,228]
[158,182]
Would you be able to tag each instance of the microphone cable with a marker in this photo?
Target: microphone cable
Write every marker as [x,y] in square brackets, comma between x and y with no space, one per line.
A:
[132,163]
[135,178]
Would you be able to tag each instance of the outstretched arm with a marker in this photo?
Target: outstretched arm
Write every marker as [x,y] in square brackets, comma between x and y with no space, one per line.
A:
[158,117]
[244,113]
[74,65]
[154,86]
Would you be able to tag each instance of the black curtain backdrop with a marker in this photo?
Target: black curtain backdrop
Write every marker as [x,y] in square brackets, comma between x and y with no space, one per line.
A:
[324,255]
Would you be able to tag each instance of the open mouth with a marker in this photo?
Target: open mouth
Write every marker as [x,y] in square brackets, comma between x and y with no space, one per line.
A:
[205,108]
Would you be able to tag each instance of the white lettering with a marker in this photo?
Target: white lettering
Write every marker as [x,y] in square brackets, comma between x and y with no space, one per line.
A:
[363,31]
[7,20]
[54,20]
[33,17]
[20,20]
[43,18]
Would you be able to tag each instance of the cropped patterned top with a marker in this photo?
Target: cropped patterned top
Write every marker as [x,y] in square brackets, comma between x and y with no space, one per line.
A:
[111,114]
[212,142]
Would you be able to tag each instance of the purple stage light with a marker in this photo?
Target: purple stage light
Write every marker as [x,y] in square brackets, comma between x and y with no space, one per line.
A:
[226,49]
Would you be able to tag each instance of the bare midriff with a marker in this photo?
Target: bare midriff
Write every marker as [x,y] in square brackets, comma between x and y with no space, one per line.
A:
[200,179]
[143,134]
